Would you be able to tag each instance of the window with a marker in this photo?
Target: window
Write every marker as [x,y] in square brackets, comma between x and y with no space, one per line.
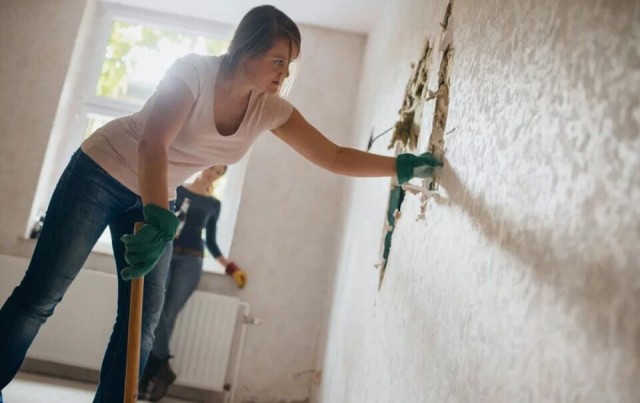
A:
[135,59]
[137,56]
[116,77]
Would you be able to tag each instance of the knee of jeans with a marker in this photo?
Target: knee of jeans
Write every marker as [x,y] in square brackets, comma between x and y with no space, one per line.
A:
[149,324]
[37,303]
[146,341]
[153,303]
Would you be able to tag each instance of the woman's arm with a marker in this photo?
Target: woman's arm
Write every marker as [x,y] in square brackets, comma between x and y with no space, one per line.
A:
[314,146]
[144,248]
[168,114]
[239,276]
[223,261]
[211,242]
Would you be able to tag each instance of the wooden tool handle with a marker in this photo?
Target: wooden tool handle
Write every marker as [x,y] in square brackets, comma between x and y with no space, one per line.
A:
[133,338]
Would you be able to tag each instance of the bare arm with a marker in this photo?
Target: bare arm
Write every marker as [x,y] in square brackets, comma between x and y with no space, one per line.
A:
[167,116]
[315,147]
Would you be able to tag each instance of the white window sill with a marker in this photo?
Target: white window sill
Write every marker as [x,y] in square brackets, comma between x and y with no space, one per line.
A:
[103,248]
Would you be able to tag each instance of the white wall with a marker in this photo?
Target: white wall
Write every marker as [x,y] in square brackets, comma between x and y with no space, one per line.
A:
[288,227]
[287,234]
[38,38]
[522,284]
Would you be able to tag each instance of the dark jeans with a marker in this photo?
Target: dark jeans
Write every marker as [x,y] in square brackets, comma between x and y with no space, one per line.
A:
[184,275]
[85,201]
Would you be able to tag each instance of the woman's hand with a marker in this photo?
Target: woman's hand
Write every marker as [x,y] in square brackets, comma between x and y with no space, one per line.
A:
[144,248]
[416,166]
[239,275]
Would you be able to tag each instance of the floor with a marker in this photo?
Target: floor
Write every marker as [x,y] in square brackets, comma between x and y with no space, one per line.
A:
[31,388]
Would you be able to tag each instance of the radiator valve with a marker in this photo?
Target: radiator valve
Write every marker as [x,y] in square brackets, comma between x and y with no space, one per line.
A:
[252,320]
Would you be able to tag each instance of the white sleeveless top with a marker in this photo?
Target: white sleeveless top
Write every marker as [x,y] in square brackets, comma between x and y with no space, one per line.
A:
[198,145]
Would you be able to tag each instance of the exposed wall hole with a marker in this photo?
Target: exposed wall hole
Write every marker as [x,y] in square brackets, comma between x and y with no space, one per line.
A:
[436,140]
[407,128]
[396,197]
[447,16]
[438,133]
[404,138]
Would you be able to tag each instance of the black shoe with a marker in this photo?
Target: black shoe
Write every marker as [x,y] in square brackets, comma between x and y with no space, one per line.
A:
[150,370]
[143,393]
[159,384]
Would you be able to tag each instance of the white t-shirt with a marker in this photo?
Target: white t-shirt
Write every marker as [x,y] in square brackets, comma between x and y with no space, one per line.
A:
[198,145]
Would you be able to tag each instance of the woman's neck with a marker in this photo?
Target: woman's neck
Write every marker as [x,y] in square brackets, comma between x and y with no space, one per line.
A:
[199,186]
[233,85]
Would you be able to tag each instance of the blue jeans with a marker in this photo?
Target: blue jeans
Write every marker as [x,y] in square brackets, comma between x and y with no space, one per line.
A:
[184,275]
[85,201]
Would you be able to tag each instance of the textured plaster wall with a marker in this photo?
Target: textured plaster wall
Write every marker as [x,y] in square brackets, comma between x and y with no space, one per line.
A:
[522,284]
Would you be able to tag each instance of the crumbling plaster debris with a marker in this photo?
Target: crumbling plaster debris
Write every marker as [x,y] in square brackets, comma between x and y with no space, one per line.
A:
[437,137]
[407,129]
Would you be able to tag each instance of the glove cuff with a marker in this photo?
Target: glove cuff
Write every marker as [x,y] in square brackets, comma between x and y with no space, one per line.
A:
[231,268]
[162,219]
[404,167]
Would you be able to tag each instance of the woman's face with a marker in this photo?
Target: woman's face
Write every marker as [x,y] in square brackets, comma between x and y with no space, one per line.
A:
[213,173]
[268,71]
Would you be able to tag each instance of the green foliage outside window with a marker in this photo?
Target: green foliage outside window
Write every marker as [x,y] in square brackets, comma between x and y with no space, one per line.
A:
[134,48]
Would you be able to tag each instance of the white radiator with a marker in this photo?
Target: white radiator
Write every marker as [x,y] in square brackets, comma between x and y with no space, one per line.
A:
[78,331]
[202,340]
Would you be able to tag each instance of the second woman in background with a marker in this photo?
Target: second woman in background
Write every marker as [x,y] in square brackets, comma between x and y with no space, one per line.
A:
[198,210]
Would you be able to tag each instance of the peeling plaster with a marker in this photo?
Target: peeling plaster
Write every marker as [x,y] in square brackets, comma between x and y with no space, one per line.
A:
[407,128]
[436,143]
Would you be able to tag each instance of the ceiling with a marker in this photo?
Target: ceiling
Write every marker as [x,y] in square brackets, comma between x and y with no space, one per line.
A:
[350,15]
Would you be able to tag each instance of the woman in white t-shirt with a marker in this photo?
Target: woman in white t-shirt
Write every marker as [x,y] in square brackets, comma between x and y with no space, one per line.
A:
[206,111]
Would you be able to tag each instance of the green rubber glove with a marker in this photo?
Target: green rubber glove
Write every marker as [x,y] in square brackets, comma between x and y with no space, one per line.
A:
[416,166]
[144,248]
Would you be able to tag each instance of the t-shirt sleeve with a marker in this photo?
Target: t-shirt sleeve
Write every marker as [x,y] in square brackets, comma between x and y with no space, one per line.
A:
[185,69]
[276,111]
